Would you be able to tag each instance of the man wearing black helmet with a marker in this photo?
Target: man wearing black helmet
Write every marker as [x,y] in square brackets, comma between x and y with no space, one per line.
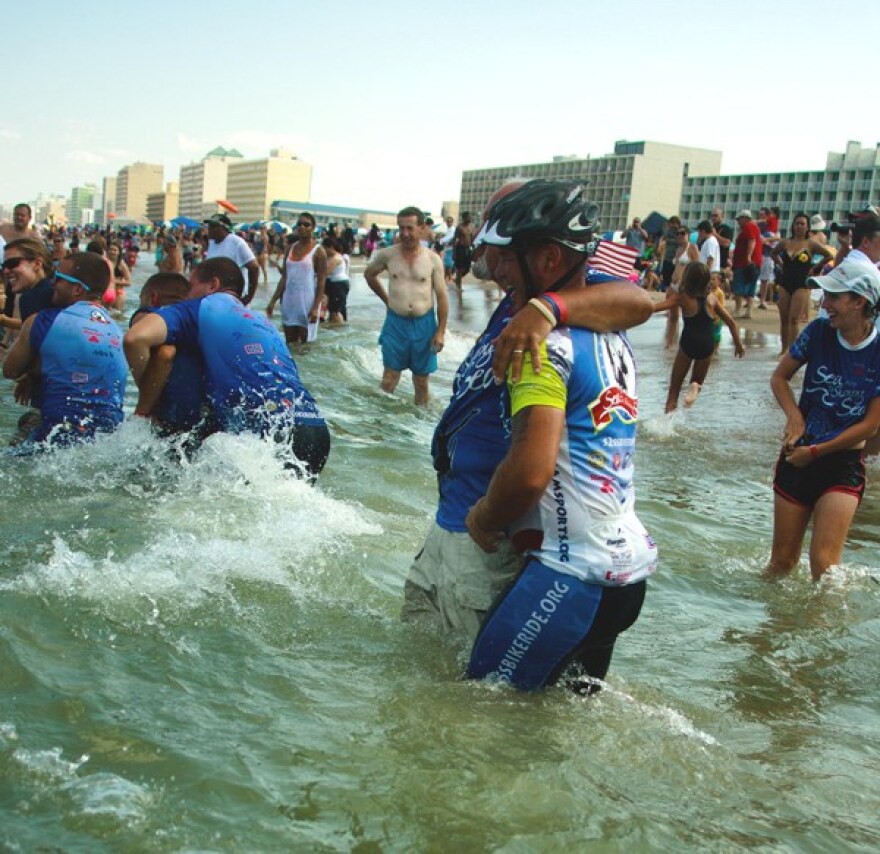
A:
[452,583]
[564,491]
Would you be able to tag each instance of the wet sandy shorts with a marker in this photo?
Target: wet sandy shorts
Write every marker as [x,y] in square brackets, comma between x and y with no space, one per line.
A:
[452,582]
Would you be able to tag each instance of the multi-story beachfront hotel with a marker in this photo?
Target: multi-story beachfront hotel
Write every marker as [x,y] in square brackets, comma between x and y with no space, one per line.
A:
[641,177]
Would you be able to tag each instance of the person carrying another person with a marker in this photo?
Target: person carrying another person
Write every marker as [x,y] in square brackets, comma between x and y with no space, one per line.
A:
[820,473]
[68,358]
[452,582]
[564,491]
[174,383]
[412,334]
[251,381]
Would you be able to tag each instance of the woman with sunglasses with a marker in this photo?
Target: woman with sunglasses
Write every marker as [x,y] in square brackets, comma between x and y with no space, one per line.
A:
[27,271]
[74,349]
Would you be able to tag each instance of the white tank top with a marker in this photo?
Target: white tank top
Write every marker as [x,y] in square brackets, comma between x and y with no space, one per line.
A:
[340,271]
[300,286]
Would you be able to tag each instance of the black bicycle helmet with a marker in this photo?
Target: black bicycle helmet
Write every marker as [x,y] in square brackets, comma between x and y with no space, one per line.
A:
[542,209]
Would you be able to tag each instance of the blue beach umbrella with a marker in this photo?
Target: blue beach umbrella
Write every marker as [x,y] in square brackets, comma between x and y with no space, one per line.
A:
[185,222]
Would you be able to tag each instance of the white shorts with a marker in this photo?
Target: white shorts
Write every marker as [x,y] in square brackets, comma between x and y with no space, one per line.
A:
[452,582]
[768,269]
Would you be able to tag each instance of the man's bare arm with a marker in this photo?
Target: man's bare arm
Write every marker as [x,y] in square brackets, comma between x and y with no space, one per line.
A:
[521,477]
[22,356]
[371,274]
[253,270]
[155,378]
[321,276]
[603,307]
[439,283]
[139,340]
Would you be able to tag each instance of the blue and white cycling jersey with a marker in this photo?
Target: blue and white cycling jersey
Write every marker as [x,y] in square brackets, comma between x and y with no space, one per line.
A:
[585,523]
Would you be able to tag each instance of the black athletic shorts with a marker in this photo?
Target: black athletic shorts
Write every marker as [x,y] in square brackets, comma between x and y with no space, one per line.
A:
[337,296]
[840,472]
[666,271]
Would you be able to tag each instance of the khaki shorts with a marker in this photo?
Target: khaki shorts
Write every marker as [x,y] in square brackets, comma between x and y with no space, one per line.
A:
[452,582]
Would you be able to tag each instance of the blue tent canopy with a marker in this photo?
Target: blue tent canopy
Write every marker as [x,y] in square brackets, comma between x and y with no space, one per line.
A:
[185,222]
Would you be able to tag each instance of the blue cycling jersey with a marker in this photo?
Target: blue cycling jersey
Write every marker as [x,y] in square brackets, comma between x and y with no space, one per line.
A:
[180,405]
[82,369]
[840,380]
[251,380]
[474,431]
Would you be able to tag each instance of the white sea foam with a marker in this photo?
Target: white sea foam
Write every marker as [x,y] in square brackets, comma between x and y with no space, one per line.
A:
[233,513]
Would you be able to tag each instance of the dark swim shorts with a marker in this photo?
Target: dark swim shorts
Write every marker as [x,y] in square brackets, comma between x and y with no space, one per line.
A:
[840,472]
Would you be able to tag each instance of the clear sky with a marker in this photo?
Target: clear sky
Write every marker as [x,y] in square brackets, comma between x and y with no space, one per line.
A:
[389,100]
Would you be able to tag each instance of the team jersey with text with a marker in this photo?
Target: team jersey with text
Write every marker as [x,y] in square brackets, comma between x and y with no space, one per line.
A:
[839,382]
[585,522]
[474,431]
[82,371]
[251,380]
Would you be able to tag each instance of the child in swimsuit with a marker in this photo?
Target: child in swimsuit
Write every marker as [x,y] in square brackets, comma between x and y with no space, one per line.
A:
[716,289]
[697,343]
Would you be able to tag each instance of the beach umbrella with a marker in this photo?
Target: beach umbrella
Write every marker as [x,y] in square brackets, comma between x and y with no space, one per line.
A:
[185,222]
[228,206]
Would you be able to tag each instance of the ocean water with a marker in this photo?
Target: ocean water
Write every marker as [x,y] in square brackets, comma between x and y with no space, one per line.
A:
[208,656]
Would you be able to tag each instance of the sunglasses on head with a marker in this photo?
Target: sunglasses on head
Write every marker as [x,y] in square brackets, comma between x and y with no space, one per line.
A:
[12,263]
[72,280]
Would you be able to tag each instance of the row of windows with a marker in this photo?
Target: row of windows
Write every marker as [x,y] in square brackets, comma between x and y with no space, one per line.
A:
[864,177]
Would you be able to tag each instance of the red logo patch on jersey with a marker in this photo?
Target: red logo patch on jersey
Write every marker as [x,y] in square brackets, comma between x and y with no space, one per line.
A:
[613,400]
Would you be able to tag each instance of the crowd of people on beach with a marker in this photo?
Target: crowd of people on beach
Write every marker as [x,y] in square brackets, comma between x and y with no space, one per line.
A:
[536,554]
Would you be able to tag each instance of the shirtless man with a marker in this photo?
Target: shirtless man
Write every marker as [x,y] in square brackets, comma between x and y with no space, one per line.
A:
[9,231]
[412,336]
[462,248]
[20,225]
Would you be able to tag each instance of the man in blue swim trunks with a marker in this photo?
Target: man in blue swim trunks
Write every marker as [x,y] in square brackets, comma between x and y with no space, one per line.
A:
[251,381]
[412,335]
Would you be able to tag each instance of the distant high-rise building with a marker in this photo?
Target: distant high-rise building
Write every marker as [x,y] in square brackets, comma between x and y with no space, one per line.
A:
[202,183]
[252,185]
[849,181]
[80,199]
[164,206]
[108,209]
[639,177]
[133,184]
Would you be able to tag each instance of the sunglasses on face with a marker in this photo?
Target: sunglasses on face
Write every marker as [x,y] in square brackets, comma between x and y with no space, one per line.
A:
[303,225]
[72,280]
[681,233]
[12,263]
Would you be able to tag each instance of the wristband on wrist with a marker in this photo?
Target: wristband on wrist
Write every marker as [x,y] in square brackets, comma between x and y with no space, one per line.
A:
[558,306]
[541,307]
[814,452]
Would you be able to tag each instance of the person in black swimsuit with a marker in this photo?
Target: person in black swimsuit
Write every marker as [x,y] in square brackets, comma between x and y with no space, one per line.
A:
[697,342]
[795,255]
